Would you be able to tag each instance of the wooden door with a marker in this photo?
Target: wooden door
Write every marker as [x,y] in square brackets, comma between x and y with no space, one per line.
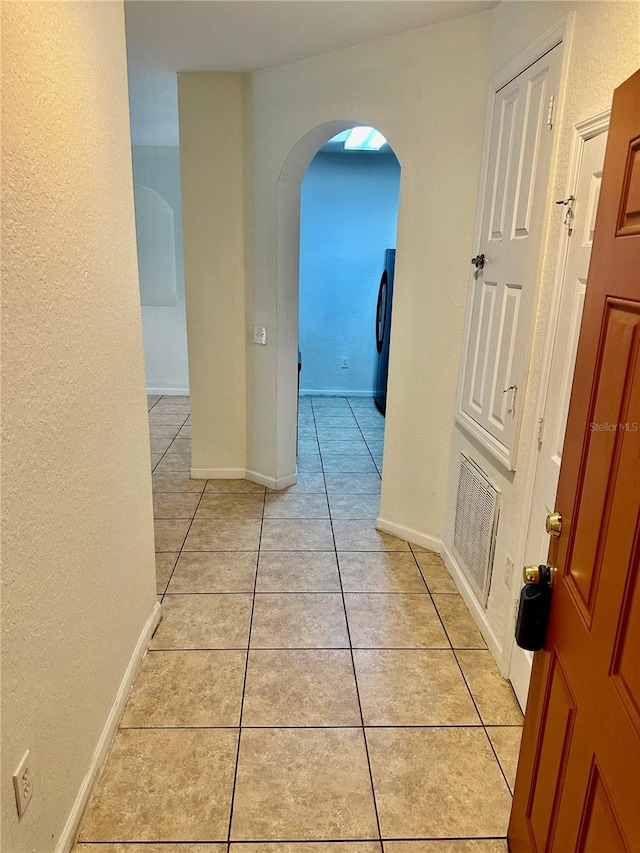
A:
[551,438]
[578,781]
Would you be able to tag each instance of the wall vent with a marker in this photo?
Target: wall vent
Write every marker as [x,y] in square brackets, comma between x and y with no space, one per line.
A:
[476,524]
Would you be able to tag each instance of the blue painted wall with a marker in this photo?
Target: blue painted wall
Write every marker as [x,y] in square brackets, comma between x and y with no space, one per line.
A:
[349,214]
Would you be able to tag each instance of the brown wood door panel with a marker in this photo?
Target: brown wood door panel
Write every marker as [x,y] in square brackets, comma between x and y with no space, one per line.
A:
[625,669]
[597,479]
[629,217]
[600,828]
[578,779]
[552,754]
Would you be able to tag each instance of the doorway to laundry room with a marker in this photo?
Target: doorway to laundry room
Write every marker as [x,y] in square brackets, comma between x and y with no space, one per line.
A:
[348,225]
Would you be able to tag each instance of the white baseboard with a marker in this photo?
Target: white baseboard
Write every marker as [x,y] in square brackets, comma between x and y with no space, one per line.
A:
[169,392]
[411,535]
[271,482]
[307,392]
[218,473]
[67,837]
[243,474]
[477,611]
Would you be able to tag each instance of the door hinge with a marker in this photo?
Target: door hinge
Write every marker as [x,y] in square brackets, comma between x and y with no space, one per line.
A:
[539,430]
[550,113]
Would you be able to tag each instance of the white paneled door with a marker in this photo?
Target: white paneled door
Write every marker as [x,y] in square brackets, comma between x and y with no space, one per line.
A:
[580,219]
[504,279]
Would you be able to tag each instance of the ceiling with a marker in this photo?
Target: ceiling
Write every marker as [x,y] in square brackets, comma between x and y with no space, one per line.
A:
[248,35]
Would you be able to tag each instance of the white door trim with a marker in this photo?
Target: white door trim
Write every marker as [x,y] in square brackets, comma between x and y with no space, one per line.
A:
[560,33]
[582,133]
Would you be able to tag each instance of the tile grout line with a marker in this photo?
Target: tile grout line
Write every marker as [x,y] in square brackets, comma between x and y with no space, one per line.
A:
[246,673]
[172,440]
[484,725]
[319,648]
[472,697]
[280,550]
[313,841]
[318,726]
[322,471]
[355,680]
[324,479]
[309,592]
[247,650]
[153,494]
[379,472]
[366,442]
[181,549]
[359,428]
[159,396]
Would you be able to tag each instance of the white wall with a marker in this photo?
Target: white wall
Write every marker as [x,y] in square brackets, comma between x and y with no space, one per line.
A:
[153,107]
[605,50]
[349,216]
[164,327]
[425,90]
[212,138]
[77,535]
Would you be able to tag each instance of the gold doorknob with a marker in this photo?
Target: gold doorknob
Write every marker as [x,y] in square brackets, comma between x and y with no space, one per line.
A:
[531,574]
[553,524]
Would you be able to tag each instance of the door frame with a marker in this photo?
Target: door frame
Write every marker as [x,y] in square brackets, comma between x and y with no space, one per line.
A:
[582,132]
[559,34]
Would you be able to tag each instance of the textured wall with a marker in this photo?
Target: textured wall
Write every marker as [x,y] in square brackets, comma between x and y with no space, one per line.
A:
[77,535]
[605,50]
[211,163]
[165,328]
[425,90]
[349,216]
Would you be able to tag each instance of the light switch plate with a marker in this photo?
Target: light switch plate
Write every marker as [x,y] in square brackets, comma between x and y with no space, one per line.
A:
[260,335]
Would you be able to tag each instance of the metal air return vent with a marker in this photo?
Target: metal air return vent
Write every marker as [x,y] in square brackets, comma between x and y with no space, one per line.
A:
[476,524]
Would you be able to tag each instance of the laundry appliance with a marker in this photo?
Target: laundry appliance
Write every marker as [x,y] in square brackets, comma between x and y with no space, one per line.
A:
[383,328]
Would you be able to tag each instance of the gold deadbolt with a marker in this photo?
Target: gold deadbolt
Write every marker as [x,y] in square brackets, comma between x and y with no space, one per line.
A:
[553,524]
[542,575]
[531,574]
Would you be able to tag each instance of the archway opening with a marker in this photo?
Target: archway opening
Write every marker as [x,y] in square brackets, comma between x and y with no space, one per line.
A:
[348,226]
[338,208]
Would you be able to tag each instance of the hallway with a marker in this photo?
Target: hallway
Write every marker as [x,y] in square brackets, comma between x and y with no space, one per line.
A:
[311,680]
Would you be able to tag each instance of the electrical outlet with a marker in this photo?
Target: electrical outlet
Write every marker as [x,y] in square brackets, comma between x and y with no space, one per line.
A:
[260,335]
[508,571]
[344,364]
[23,784]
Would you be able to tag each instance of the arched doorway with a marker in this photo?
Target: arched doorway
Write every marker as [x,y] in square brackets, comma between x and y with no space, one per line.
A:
[288,259]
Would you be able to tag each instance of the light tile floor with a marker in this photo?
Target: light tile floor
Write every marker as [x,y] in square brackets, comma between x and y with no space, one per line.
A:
[314,686]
